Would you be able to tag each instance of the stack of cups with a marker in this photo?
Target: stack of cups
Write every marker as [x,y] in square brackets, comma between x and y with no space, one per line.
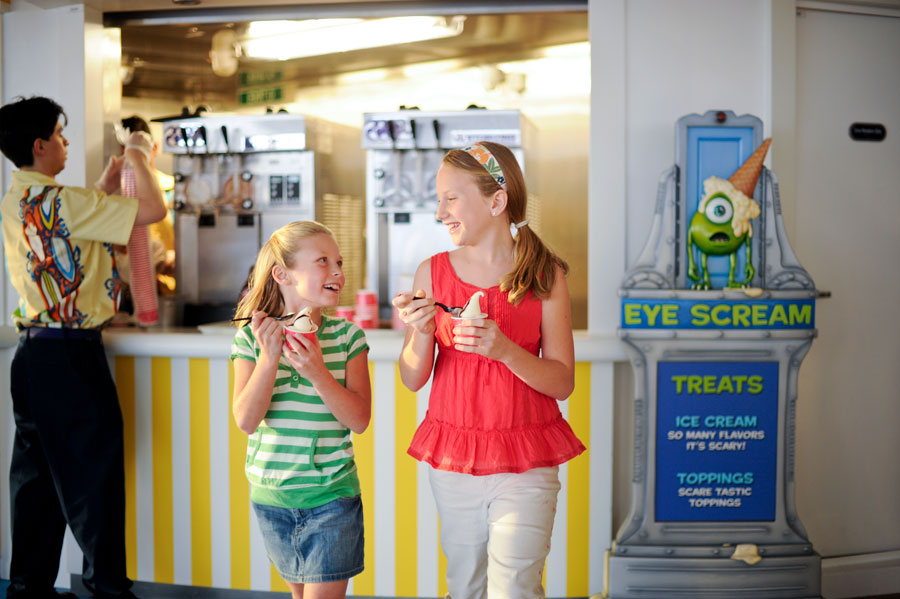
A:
[143,273]
[366,309]
[345,312]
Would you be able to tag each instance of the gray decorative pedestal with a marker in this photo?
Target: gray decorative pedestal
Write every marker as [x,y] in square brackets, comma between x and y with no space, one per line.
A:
[715,366]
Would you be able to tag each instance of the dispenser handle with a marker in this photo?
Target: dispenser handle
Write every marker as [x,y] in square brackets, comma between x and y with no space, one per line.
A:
[412,129]
[202,131]
[437,133]
[225,137]
[184,136]
[392,131]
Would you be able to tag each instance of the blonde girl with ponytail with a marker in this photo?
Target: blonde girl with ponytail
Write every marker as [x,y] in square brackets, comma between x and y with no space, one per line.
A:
[493,434]
[298,411]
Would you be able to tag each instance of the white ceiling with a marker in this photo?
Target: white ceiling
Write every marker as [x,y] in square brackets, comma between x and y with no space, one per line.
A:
[172,60]
[140,5]
[159,5]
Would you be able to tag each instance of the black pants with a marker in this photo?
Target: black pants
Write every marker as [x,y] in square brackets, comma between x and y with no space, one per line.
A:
[67,464]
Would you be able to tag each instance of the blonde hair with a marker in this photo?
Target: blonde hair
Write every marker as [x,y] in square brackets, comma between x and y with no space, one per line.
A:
[535,265]
[263,293]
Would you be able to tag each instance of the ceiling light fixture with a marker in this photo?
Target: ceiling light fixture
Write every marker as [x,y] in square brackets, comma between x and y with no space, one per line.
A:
[284,40]
[223,55]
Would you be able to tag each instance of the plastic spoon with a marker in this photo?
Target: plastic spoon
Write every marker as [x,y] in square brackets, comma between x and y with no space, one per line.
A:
[285,317]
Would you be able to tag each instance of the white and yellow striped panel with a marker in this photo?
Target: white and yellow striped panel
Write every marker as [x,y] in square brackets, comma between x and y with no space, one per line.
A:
[188,517]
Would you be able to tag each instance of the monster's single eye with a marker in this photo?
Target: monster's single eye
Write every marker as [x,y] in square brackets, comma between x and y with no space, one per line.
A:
[719,210]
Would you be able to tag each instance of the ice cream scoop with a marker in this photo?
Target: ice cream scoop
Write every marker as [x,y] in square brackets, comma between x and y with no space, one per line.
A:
[472,309]
[302,325]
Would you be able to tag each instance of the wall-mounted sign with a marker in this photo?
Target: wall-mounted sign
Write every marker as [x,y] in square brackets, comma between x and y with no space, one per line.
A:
[868,132]
[716,431]
[248,78]
[718,314]
[261,95]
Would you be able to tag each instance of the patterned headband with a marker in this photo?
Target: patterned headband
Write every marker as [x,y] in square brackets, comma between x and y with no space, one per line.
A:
[487,160]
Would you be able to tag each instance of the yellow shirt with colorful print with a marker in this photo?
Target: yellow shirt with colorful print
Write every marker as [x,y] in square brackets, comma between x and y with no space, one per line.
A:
[58,242]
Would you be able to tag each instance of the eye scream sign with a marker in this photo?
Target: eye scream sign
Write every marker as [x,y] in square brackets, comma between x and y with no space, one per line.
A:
[718,314]
[716,427]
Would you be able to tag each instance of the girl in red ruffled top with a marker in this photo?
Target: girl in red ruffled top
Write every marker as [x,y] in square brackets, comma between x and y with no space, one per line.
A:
[493,434]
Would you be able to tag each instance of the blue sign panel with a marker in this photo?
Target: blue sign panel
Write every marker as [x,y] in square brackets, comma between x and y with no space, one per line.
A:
[716,430]
[718,314]
[715,151]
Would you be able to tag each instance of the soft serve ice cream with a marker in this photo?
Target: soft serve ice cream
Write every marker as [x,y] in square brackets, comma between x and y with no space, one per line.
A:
[472,309]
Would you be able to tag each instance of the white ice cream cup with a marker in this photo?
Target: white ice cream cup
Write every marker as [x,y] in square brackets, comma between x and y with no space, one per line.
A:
[482,315]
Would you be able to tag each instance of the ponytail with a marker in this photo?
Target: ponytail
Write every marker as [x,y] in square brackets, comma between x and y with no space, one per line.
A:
[534,268]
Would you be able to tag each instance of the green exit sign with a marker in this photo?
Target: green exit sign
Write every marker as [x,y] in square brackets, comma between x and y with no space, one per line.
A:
[265,95]
[248,78]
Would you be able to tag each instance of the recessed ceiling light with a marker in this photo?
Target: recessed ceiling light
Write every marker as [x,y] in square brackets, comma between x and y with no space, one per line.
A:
[284,40]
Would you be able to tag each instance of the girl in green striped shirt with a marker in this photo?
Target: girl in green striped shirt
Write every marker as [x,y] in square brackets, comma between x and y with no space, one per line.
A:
[298,398]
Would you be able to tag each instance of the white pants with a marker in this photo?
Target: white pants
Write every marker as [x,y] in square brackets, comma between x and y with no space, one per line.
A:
[495,531]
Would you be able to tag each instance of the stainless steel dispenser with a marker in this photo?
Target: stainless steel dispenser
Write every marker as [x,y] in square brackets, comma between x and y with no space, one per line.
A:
[403,153]
[237,179]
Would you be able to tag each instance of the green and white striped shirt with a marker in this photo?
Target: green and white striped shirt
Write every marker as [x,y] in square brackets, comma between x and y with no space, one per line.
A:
[300,456]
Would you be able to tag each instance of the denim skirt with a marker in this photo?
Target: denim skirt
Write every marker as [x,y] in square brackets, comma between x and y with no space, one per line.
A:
[320,544]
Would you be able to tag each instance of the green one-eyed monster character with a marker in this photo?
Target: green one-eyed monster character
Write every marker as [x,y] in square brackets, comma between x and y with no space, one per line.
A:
[721,224]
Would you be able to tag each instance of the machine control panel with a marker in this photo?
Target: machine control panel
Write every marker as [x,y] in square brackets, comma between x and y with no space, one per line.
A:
[415,129]
[235,134]
[284,190]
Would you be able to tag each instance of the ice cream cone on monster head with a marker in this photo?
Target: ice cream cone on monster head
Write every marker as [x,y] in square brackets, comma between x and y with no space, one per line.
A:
[744,179]
[739,189]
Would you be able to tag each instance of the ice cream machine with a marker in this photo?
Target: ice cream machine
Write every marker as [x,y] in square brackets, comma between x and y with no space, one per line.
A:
[403,153]
[238,178]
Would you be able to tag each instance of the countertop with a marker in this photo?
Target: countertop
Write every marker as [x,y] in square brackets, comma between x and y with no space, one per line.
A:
[214,341]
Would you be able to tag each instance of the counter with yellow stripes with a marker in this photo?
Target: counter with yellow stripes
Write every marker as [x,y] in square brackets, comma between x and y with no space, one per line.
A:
[188,516]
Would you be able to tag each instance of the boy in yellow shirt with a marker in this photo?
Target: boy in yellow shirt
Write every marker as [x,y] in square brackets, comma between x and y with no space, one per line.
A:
[67,463]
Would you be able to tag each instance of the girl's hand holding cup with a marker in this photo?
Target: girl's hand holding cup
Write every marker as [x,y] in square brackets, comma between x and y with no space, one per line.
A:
[302,351]
[416,311]
[481,336]
[290,333]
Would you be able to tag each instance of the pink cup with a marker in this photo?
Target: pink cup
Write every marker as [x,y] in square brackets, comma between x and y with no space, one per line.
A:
[366,309]
[292,333]
[367,323]
[396,322]
[345,312]
[366,305]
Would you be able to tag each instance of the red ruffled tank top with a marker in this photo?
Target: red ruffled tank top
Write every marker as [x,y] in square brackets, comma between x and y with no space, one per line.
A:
[483,419]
